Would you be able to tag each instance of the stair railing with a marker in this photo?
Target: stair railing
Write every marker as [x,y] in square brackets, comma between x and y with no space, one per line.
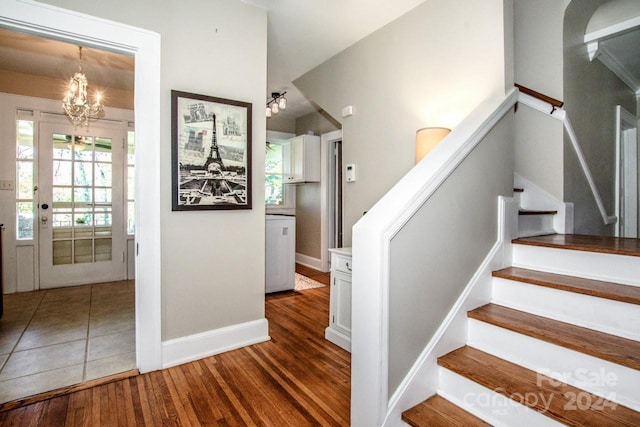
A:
[377,258]
[553,108]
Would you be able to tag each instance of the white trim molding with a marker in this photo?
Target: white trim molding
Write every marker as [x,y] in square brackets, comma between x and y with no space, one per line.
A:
[327,207]
[53,22]
[310,261]
[193,347]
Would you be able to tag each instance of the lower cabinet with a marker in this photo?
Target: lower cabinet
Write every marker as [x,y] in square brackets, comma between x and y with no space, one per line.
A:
[339,329]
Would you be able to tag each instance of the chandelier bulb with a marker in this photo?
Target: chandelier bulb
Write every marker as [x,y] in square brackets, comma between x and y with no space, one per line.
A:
[76,104]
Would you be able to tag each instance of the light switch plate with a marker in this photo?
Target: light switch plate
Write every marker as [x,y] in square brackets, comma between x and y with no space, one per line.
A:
[6,185]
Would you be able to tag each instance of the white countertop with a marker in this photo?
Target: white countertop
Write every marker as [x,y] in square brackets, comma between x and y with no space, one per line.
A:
[341,251]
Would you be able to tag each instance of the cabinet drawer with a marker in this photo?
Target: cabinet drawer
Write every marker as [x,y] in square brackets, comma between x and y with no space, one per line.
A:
[343,264]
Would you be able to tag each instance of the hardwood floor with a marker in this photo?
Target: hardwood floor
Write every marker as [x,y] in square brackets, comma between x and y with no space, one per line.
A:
[602,244]
[297,378]
[319,276]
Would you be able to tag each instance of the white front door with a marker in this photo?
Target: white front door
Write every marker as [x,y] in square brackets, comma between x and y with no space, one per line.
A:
[80,214]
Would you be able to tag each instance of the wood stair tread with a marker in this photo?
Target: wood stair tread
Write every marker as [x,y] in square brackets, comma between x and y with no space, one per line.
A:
[544,394]
[535,212]
[596,288]
[601,244]
[437,411]
[621,351]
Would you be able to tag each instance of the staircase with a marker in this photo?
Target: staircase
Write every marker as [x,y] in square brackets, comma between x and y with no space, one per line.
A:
[559,344]
[533,222]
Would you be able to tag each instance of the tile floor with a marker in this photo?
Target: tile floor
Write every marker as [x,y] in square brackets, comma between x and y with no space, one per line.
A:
[59,337]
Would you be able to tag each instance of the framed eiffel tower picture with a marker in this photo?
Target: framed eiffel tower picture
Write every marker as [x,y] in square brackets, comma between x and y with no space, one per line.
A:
[210,152]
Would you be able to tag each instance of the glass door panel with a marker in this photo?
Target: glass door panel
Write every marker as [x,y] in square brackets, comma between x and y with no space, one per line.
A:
[86,202]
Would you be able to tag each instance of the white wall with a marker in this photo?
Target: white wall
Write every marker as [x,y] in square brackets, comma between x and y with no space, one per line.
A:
[538,66]
[591,92]
[430,67]
[212,261]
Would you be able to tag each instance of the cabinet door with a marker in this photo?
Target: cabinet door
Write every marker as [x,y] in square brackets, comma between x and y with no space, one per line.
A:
[287,166]
[297,159]
[342,303]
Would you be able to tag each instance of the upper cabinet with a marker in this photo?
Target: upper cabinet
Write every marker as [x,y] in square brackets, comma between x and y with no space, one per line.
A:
[302,159]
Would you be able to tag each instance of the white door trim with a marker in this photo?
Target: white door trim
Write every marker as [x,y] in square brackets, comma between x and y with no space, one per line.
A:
[326,203]
[53,22]
[626,134]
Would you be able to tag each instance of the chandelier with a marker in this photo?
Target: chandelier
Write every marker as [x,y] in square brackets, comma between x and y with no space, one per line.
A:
[276,103]
[76,103]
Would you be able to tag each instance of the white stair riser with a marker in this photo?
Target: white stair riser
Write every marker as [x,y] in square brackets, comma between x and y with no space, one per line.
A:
[612,268]
[489,405]
[600,377]
[535,225]
[612,317]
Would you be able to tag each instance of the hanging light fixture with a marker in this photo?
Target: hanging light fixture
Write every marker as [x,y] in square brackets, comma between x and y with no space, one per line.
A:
[276,103]
[76,102]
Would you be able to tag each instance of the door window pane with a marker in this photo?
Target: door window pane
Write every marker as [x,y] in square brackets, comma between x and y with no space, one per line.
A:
[62,194]
[103,175]
[62,147]
[61,172]
[62,252]
[82,195]
[103,149]
[103,249]
[25,206]
[82,148]
[25,180]
[25,219]
[83,174]
[103,195]
[82,251]
[24,140]
[131,217]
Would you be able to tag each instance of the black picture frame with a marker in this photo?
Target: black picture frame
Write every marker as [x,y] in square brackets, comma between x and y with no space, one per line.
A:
[210,153]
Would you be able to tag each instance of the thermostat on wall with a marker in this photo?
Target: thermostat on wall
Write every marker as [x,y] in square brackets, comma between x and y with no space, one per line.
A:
[351,172]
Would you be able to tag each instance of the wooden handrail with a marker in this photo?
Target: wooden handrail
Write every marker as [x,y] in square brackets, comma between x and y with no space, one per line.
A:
[554,102]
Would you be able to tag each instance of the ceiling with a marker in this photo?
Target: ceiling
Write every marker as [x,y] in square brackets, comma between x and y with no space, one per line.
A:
[50,58]
[301,35]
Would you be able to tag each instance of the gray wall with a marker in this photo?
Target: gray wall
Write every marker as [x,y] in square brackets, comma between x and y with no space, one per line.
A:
[538,65]
[396,81]
[591,93]
[437,252]
[308,212]
[212,262]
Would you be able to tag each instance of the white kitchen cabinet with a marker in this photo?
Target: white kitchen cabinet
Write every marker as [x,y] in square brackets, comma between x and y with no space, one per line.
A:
[339,329]
[302,159]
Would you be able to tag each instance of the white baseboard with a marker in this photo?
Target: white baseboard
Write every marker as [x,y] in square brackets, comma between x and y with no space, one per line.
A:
[193,347]
[308,261]
[338,338]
